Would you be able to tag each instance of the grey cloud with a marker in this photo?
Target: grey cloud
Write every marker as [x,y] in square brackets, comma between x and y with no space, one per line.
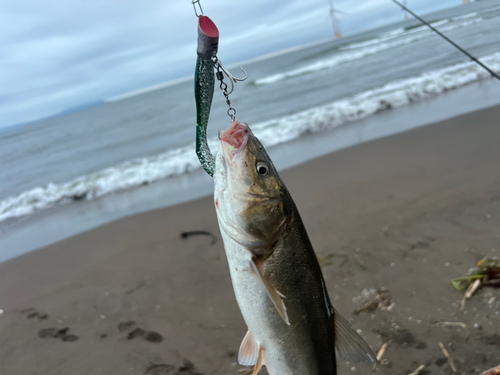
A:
[57,54]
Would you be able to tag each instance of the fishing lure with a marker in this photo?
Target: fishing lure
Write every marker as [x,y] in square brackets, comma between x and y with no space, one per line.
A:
[204,82]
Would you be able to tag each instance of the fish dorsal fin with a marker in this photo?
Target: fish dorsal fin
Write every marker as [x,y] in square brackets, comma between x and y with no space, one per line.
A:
[350,345]
[249,351]
[276,296]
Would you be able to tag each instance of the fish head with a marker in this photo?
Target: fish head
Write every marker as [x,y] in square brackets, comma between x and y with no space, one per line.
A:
[249,193]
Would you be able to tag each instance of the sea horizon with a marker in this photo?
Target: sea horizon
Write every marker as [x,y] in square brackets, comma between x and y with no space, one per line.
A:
[59,169]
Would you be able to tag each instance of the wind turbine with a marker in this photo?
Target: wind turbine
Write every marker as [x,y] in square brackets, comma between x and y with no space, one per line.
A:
[407,16]
[337,33]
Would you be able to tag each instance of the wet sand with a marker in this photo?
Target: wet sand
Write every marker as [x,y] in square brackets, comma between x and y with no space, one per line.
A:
[406,213]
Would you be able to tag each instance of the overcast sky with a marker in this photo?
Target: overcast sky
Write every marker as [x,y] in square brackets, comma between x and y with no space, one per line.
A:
[56,55]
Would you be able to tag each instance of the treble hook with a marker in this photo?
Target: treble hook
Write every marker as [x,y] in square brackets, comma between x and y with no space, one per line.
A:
[232,78]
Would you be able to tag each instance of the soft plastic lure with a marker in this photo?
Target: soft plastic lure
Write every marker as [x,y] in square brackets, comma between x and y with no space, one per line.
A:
[204,82]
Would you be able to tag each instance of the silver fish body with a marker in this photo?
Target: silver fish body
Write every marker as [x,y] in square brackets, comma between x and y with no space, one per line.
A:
[306,346]
[276,276]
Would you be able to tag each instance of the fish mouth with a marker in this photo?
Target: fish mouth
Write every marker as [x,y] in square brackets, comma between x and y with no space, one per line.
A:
[248,197]
[235,138]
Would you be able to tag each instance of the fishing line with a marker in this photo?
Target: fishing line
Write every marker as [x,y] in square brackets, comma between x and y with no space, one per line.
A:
[449,40]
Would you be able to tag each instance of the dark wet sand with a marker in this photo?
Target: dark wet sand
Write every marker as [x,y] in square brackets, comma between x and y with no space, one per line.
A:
[406,213]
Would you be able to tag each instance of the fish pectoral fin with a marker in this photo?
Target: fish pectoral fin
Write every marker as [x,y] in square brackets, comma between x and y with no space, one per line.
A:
[249,350]
[349,344]
[275,295]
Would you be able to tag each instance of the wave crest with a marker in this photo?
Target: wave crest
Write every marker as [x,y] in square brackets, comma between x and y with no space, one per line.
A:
[363,49]
[141,171]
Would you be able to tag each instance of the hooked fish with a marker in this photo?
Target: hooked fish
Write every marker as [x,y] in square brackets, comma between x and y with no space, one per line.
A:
[292,325]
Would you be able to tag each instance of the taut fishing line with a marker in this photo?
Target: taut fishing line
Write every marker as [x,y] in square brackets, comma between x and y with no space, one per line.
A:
[449,40]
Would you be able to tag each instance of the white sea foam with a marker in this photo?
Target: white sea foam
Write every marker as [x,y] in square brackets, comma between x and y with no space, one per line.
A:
[465,16]
[137,172]
[355,51]
[126,175]
[338,59]
[392,95]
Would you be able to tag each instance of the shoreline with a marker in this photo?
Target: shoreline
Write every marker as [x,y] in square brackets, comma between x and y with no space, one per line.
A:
[27,233]
[407,213]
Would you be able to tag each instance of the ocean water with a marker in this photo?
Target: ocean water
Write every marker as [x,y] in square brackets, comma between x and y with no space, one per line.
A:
[139,138]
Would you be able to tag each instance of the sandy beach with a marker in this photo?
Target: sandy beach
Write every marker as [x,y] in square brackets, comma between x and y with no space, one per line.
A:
[403,214]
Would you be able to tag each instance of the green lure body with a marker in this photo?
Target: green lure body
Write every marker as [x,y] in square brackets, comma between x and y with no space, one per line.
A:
[204,82]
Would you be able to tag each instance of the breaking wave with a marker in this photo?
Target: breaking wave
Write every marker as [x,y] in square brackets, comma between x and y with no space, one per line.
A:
[355,51]
[141,171]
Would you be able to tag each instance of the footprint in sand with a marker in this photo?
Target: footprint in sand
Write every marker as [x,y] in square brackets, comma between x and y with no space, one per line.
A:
[32,313]
[126,326]
[133,331]
[162,369]
[57,333]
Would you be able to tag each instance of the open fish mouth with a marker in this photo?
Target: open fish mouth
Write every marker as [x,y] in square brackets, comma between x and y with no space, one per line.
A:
[235,138]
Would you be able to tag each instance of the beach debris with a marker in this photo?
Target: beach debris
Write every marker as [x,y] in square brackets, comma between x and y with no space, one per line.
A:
[492,371]
[486,270]
[380,299]
[417,371]
[380,354]
[448,357]
[200,233]
[473,287]
[381,351]
[1,312]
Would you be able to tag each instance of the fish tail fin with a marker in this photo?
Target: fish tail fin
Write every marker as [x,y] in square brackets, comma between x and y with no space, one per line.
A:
[349,344]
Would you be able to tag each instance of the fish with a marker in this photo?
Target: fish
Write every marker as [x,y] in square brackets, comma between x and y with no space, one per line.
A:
[277,280]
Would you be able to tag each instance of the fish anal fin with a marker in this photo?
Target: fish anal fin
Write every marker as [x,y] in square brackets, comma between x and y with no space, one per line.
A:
[275,295]
[249,350]
[349,344]
[260,362]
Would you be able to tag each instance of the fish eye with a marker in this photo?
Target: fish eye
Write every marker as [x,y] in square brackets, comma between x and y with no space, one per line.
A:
[262,169]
